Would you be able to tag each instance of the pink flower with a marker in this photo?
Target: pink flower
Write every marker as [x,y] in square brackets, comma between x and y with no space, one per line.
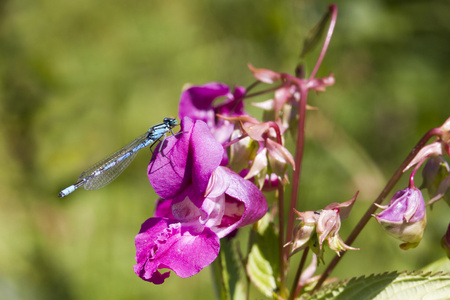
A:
[202,202]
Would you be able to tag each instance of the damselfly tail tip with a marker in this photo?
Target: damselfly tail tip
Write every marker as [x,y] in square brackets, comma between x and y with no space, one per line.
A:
[67,191]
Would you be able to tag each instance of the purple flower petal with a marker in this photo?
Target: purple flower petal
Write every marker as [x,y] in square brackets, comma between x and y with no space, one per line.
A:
[163,209]
[166,244]
[241,192]
[406,205]
[196,102]
[189,159]
[202,103]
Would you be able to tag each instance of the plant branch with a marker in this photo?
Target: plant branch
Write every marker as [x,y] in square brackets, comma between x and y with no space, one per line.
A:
[389,186]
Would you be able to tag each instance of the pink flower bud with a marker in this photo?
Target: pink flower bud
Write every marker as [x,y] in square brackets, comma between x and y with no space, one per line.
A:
[404,218]
[305,231]
[316,227]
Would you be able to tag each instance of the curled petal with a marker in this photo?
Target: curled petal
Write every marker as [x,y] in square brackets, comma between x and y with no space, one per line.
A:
[165,244]
[260,163]
[245,203]
[279,153]
[266,105]
[264,75]
[427,151]
[218,183]
[344,207]
[319,84]
[256,131]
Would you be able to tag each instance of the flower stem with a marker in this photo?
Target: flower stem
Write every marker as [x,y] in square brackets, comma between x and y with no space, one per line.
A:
[333,9]
[389,186]
[263,92]
[295,284]
[299,149]
[302,84]
[281,241]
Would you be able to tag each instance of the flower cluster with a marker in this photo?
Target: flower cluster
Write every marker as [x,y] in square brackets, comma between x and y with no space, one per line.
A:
[202,200]
[207,192]
[211,174]
[316,227]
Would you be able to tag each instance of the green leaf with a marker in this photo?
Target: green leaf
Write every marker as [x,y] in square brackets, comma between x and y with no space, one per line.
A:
[315,34]
[227,269]
[441,265]
[388,286]
[262,264]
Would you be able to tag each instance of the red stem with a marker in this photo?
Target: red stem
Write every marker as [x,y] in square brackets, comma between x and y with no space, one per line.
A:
[299,148]
[295,284]
[334,11]
[281,242]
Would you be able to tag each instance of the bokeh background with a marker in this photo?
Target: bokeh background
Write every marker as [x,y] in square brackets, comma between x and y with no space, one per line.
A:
[79,79]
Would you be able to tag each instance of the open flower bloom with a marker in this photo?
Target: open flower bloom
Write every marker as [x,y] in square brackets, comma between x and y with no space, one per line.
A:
[202,202]
[404,218]
[316,227]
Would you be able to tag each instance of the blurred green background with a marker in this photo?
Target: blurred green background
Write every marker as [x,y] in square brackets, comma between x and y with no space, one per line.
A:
[79,79]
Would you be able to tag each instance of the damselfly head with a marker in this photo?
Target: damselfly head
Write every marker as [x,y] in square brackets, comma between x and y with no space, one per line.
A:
[170,122]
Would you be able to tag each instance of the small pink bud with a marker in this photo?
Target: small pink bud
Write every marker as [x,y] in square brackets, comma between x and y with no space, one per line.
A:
[305,231]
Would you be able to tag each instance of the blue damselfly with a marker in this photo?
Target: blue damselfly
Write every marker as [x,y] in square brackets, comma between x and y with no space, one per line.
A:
[106,170]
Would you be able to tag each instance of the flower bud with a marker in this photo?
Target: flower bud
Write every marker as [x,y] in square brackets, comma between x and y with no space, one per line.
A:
[316,227]
[404,218]
[305,231]
[435,171]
